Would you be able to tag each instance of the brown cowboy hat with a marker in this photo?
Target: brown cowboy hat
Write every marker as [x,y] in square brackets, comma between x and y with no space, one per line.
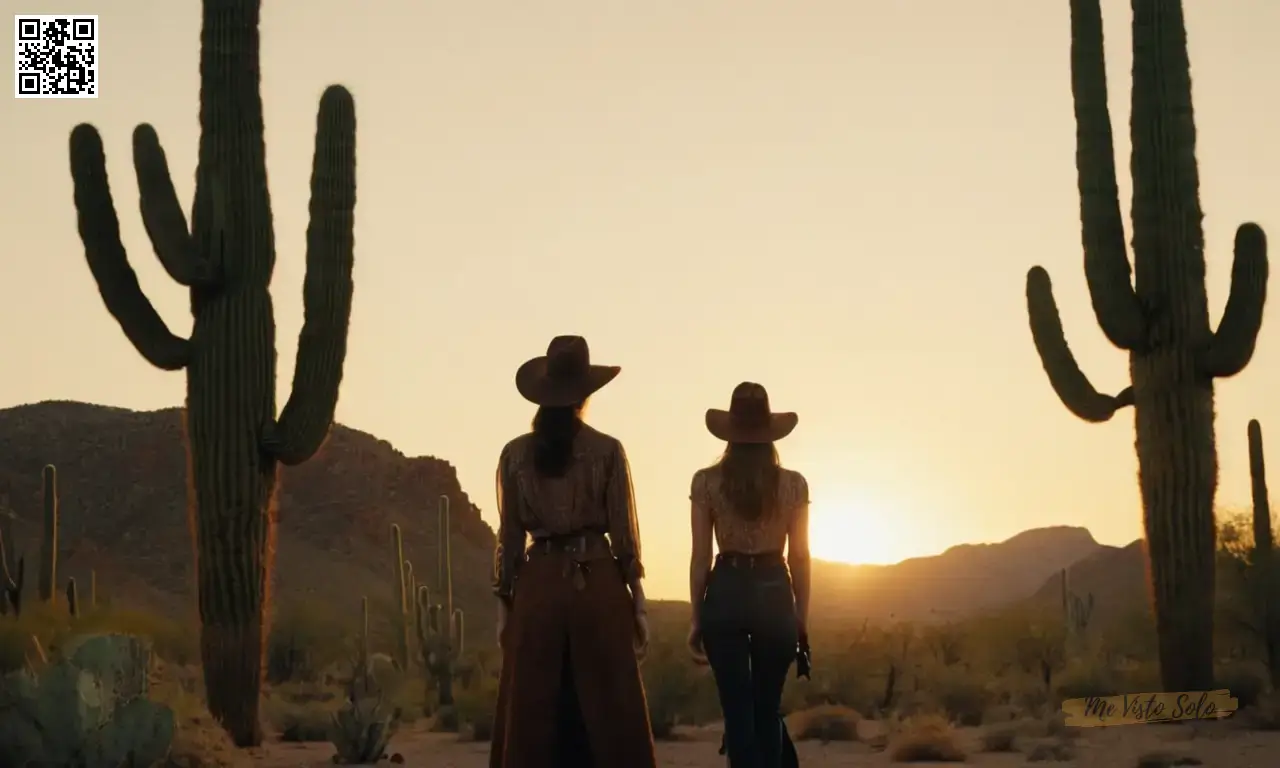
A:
[563,376]
[749,419]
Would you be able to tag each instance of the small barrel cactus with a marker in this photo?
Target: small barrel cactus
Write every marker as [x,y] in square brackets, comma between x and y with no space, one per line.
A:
[87,709]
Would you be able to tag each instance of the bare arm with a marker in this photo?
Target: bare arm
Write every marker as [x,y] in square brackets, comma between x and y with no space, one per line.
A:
[798,555]
[624,527]
[700,557]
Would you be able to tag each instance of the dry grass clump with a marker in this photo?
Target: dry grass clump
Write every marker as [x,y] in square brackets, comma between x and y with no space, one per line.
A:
[1166,760]
[926,739]
[301,712]
[200,742]
[1000,737]
[1056,751]
[1265,715]
[826,722]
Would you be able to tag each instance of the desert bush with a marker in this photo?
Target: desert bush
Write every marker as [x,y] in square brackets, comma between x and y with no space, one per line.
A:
[1245,681]
[1265,714]
[963,697]
[301,712]
[1166,760]
[1085,679]
[476,707]
[1056,751]
[926,739]
[670,685]
[53,626]
[826,722]
[1000,737]
[306,637]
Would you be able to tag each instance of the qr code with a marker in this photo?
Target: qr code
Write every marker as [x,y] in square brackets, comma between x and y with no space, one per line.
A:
[57,57]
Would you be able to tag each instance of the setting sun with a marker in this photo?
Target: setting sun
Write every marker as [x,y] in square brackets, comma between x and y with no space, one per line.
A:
[852,532]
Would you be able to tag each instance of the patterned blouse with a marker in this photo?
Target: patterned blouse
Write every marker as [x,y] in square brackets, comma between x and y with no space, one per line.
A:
[767,533]
[595,494]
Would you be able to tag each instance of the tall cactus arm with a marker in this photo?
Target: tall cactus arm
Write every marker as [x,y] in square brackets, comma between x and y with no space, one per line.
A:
[322,346]
[108,261]
[162,215]
[1262,540]
[1106,261]
[1233,343]
[1068,380]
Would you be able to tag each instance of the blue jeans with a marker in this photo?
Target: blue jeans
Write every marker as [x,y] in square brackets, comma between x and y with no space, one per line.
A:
[749,633]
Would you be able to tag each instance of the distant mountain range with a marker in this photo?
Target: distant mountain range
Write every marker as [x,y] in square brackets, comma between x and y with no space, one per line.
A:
[122,487]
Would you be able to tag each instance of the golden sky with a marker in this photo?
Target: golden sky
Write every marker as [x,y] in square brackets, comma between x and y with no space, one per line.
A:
[836,198]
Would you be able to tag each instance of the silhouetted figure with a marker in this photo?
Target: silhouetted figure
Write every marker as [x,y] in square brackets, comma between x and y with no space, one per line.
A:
[751,610]
[571,616]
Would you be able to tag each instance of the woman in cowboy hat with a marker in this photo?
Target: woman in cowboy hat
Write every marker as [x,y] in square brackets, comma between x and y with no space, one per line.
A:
[571,610]
[750,611]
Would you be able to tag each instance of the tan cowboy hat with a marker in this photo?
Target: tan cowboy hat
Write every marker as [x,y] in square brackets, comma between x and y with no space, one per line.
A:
[563,376]
[749,419]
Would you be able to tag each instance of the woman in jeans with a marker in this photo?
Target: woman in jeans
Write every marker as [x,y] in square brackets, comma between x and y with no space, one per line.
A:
[571,609]
[751,610]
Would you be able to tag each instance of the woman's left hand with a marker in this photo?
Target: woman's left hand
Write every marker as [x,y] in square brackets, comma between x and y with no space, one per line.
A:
[641,635]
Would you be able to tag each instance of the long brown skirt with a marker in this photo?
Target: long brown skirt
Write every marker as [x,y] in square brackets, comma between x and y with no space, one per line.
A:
[570,694]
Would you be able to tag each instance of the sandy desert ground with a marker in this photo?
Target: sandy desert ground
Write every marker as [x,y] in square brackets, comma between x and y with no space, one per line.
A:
[1220,745]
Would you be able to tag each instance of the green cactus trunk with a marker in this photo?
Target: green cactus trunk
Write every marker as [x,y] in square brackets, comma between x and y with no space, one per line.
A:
[1265,573]
[1161,319]
[400,623]
[235,441]
[93,590]
[47,584]
[73,604]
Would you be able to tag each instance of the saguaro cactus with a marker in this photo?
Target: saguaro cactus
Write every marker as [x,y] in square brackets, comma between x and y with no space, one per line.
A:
[1266,575]
[47,585]
[440,627]
[400,622]
[1161,319]
[11,582]
[73,603]
[235,441]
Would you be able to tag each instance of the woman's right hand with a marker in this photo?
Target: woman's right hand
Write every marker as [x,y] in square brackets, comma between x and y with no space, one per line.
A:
[694,641]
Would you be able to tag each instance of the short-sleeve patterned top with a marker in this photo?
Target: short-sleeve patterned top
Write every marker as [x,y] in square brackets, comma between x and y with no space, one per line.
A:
[594,495]
[735,533]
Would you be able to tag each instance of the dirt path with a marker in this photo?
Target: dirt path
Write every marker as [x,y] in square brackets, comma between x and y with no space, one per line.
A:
[1217,746]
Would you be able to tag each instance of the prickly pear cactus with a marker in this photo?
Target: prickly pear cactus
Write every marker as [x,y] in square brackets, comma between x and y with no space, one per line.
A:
[1156,310]
[235,439]
[86,710]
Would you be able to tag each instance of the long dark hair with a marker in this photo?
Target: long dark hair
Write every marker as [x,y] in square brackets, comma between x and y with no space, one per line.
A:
[554,428]
[749,478]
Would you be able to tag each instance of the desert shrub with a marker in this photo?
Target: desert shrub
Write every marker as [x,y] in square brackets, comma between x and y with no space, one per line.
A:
[1166,760]
[926,739]
[670,685]
[1246,682]
[1056,751]
[200,742]
[301,712]
[1265,714]
[826,722]
[1083,680]
[53,626]
[1000,737]
[964,698]
[306,637]
[476,707]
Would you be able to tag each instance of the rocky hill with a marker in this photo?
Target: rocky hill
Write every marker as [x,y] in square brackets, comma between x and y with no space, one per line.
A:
[964,580]
[122,489]
[123,502]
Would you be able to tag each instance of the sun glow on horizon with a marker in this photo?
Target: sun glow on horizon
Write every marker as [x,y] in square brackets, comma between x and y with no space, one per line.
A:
[853,531]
